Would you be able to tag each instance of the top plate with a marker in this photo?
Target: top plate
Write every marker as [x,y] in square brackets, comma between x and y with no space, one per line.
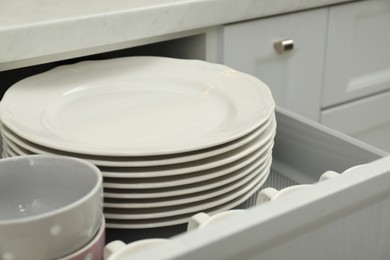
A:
[136,106]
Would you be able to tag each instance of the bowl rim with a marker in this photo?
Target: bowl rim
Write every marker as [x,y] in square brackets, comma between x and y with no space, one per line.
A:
[100,234]
[95,189]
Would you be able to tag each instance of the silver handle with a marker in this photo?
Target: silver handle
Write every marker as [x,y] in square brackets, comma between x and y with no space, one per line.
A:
[283,46]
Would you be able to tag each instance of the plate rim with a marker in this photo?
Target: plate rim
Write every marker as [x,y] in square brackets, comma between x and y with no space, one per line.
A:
[9,120]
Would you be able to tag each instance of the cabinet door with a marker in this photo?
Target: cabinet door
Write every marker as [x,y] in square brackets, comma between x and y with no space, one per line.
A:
[294,75]
[358,53]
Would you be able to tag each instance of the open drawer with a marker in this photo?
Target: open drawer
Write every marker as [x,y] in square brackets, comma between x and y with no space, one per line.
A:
[345,217]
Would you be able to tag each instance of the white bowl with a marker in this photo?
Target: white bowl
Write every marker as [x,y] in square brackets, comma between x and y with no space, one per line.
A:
[50,206]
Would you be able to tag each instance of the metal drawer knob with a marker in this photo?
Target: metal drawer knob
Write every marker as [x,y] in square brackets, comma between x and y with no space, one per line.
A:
[283,46]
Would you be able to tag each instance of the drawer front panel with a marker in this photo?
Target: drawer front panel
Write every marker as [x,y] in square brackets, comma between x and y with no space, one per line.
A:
[367,119]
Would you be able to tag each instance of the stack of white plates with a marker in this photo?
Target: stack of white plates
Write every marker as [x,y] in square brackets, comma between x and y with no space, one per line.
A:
[172,137]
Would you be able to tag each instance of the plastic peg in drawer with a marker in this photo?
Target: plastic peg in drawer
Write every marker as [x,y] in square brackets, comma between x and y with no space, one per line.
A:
[269,194]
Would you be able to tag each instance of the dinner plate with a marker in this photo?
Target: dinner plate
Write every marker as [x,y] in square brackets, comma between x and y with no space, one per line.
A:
[8,151]
[117,174]
[161,212]
[28,147]
[189,198]
[10,145]
[174,181]
[136,106]
[195,166]
[194,185]
[173,185]
[180,219]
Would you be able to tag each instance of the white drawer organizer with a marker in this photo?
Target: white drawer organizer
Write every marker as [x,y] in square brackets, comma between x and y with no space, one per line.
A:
[346,217]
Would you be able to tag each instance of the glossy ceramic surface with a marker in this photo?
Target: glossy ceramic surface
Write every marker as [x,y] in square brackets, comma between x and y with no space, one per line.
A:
[162,212]
[199,183]
[182,219]
[221,189]
[27,147]
[136,106]
[50,206]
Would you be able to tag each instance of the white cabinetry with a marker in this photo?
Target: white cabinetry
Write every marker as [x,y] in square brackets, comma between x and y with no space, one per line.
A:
[338,71]
[294,76]
[358,54]
[356,96]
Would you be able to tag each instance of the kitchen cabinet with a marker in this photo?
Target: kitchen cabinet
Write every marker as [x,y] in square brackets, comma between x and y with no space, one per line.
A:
[337,72]
[357,53]
[357,72]
[294,74]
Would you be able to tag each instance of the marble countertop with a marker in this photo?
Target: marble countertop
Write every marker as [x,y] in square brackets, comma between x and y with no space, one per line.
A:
[34,29]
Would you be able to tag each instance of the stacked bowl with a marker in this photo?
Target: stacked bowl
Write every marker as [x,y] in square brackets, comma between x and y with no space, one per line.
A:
[51,208]
[171,137]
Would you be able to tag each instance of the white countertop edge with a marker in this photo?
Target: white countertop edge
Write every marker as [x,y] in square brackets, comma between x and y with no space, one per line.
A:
[34,39]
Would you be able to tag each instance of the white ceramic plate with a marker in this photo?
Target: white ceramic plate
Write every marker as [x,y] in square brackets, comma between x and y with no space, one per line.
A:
[223,188]
[8,151]
[136,106]
[28,147]
[195,184]
[121,175]
[177,185]
[10,145]
[185,168]
[162,212]
[180,219]
[4,154]
[178,180]
[144,188]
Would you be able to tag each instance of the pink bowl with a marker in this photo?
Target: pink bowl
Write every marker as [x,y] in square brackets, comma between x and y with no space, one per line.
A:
[93,250]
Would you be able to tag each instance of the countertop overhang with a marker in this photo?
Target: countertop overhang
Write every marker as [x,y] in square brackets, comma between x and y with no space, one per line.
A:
[32,29]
